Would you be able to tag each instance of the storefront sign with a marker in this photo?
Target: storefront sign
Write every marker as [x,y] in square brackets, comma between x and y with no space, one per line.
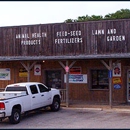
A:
[32,39]
[5,74]
[23,72]
[117,86]
[75,70]
[110,74]
[70,36]
[111,34]
[76,78]
[116,69]
[67,69]
[116,80]
[37,70]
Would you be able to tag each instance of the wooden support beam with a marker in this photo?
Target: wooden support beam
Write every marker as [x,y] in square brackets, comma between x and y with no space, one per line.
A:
[110,84]
[67,86]
[105,64]
[72,64]
[28,67]
[109,67]
[67,79]
[66,64]
[62,64]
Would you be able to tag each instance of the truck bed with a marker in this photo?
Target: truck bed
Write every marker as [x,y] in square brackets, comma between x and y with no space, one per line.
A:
[6,95]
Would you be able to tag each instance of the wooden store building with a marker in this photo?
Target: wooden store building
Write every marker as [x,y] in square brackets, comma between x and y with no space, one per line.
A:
[90,61]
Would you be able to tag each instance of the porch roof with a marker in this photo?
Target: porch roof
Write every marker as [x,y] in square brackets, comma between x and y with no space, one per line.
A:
[65,57]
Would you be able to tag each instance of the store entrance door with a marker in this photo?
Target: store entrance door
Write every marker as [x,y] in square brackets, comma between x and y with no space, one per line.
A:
[53,78]
[128,85]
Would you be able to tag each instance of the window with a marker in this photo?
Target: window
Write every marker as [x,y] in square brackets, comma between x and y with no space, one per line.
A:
[17,88]
[99,79]
[33,89]
[53,78]
[14,88]
[42,88]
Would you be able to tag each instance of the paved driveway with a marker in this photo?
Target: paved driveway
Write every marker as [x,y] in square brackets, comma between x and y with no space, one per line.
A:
[72,118]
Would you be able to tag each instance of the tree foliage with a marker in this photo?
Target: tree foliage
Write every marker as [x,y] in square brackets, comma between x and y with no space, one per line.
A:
[69,21]
[120,14]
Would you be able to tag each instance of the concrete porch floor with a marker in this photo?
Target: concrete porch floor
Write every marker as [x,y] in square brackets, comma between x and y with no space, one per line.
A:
[115,107]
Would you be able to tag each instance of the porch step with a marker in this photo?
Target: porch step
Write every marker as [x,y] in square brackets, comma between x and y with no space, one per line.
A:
[118,108]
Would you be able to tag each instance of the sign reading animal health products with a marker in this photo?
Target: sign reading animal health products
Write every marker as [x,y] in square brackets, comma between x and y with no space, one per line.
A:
[31,39]
[5,74]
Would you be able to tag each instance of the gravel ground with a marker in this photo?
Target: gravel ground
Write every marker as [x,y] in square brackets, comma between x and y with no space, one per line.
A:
[71,118]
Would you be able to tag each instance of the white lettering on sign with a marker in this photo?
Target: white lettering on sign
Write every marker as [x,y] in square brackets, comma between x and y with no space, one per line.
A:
[115,38]
[36,35]
[111,34]
[68,37]
[111,31]
[32,39]
[68,40]
[18,36]
[98,32]
[61,34]
[30,42]
[71,33]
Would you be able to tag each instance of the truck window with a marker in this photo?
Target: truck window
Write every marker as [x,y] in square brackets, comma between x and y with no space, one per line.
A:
[42,88]
[14,88]
[33,89]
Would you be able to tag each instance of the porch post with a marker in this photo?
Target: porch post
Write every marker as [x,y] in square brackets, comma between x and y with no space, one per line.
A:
[67,84]
[28,78]
[109,67]
[66,68]
[110,83]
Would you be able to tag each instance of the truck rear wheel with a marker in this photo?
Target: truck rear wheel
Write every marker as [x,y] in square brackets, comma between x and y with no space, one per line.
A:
[55,105]
[15,116]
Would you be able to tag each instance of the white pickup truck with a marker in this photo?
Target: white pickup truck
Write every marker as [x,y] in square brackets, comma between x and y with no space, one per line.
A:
[20,98]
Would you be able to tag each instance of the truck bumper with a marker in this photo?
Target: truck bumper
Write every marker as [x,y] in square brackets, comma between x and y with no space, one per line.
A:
[2,114]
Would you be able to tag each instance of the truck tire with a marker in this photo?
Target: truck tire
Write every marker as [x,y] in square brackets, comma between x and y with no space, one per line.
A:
[55,105]
[15,116]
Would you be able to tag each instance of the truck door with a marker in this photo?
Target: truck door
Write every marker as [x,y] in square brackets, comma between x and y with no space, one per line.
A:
[45,95]
[35,97]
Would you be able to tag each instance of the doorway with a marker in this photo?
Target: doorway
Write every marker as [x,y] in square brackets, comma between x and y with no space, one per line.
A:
[128,85]
[53,78]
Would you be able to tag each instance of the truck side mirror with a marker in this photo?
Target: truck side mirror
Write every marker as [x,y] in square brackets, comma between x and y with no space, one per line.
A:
[49,89]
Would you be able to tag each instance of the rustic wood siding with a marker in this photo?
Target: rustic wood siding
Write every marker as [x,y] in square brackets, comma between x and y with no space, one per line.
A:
[82,93]
[59,39]
[76,91]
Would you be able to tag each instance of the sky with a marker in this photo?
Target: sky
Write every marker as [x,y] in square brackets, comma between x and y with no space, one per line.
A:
[16,13]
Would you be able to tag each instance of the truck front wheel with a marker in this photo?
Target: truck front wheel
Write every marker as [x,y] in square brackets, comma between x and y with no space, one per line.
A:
[15,116]
[55,105]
